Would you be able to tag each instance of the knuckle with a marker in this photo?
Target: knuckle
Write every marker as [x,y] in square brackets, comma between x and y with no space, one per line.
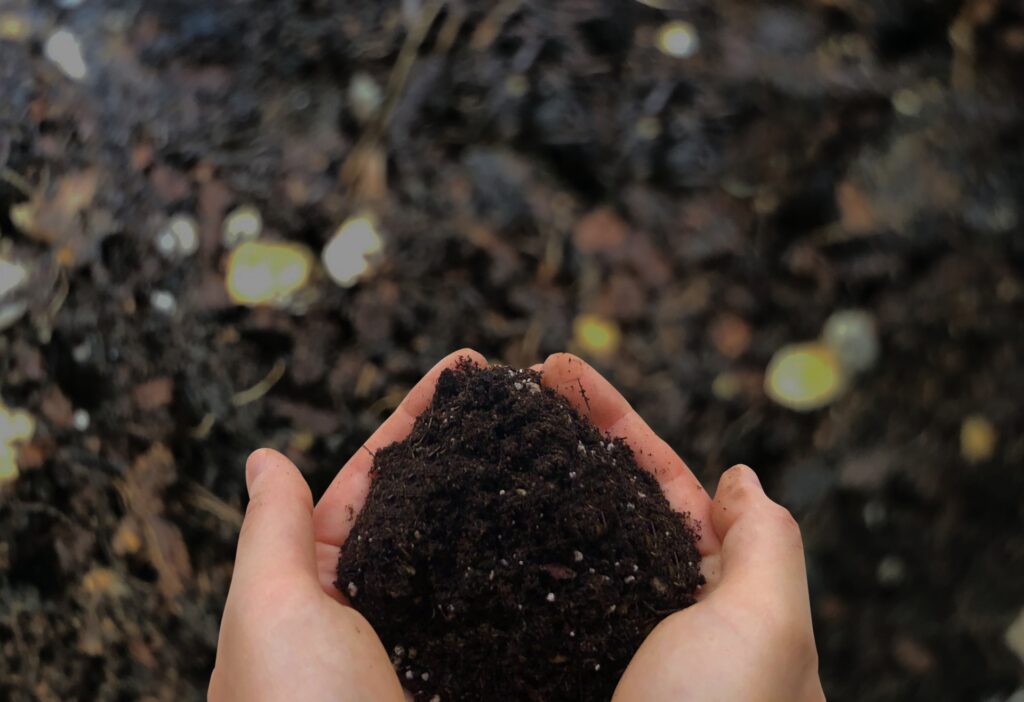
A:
[739,492]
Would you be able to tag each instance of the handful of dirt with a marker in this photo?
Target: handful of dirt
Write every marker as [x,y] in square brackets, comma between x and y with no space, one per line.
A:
[509,551]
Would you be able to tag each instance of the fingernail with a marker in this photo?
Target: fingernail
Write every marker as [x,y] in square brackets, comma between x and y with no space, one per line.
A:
[255,466]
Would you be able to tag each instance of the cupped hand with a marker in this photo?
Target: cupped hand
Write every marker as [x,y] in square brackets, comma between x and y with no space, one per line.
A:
[287,633]
[749,636]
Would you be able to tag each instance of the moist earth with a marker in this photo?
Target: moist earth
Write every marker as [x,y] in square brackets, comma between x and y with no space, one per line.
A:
[509,550]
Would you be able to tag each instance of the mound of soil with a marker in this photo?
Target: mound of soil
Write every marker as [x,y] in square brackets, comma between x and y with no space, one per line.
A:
[509,550]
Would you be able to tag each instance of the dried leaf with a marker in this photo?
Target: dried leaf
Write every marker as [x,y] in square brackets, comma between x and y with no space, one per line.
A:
[153,394]
[142,488]
[58,217]
[599,231]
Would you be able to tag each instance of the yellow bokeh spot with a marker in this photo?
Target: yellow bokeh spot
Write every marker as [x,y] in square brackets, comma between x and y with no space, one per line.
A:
[977,439]
[726,386]
[804,377]
[267,273]
[16,426]
[678,39]
[596,335]
[14,27]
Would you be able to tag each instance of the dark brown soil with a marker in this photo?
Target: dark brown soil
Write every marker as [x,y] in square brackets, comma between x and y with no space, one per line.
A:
[813,155]
[508,540]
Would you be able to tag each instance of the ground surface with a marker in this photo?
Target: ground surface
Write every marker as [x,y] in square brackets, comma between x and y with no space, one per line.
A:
[537,161]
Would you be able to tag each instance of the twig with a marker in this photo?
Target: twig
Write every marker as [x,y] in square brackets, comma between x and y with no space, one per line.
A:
[353,166]
[205,426]
[208,502]
[492,24]
[583,394]
[16,180]
[661,4]
[250,395]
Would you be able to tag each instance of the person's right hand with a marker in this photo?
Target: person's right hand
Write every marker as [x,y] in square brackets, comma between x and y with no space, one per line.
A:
[749,636]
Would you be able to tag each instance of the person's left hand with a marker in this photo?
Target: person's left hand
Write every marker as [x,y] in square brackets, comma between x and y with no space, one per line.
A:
[287,633]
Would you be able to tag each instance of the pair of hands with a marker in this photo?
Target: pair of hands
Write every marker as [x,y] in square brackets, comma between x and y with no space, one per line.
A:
[287,633]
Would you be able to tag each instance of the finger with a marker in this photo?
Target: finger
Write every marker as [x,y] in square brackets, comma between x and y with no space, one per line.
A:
[277,532]
[596,398]
[327,570]
[762,552]
[336,511]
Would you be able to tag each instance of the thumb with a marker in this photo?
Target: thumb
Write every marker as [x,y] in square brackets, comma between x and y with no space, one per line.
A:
[277,533]
[762,553]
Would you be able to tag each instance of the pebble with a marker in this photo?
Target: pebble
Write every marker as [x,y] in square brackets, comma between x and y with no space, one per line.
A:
[891,571]
[874,514]
[907,102]
[163,301]
[63,49]
[243,223]
[364,96]
[80,420]
[179,237]
[355,245]
[82,352]
[853,336]
[678,39]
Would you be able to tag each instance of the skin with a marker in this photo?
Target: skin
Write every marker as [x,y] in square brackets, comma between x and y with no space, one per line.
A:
[287,633]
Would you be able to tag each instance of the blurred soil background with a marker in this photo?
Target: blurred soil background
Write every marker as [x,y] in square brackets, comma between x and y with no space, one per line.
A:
[675,189]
